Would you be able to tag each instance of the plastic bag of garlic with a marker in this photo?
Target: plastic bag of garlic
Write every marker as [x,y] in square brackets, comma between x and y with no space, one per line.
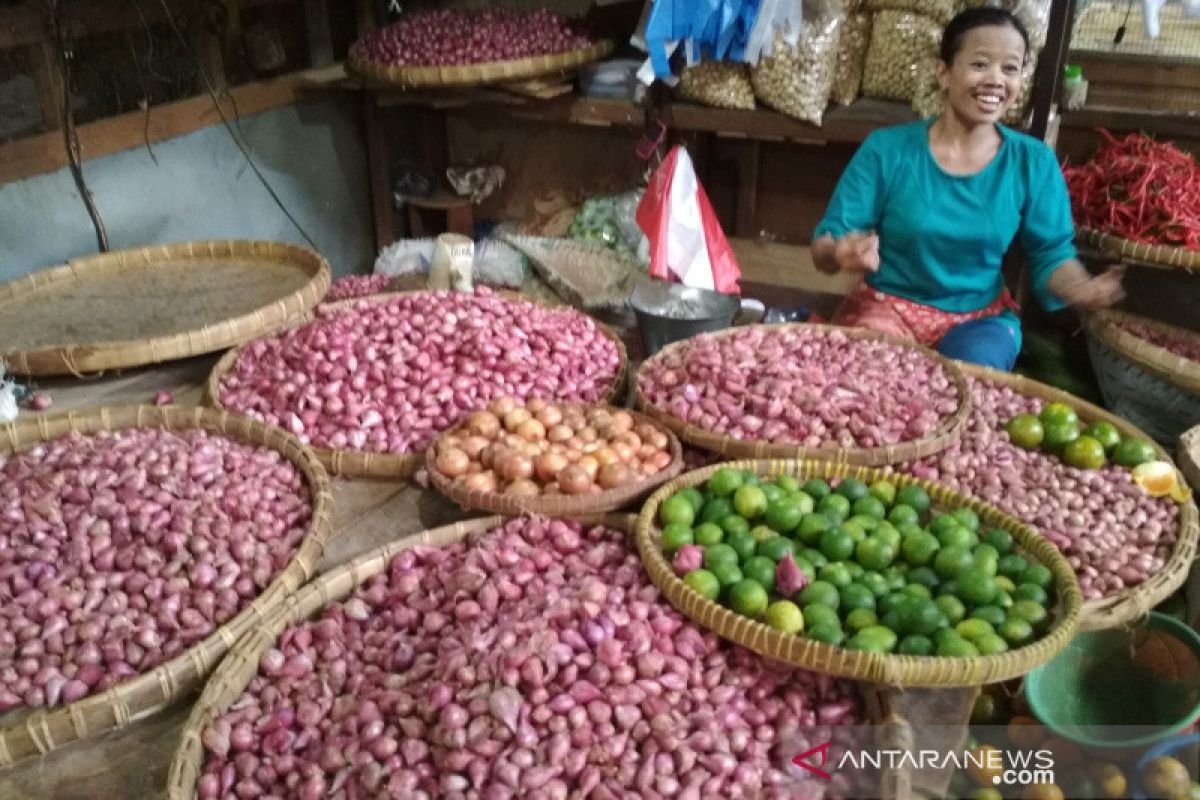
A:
[1033,14]
[723,84]
[927,100]
[853,42]
[900,42]
[797,81]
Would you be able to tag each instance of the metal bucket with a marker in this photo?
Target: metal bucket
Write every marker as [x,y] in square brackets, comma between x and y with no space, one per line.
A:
[670,312]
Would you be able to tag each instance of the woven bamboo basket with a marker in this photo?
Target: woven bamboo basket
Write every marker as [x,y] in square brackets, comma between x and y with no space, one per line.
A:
[1133,604]
[1189,456]
[153,304]
[395,466]
[473,74]
[886,669]
[43,730]
[1108,326]
[1155,255]
[946,434]
[238,668]
[586,275]
[559,505]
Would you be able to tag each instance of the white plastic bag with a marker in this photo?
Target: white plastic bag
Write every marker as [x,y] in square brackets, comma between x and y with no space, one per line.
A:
[783,17]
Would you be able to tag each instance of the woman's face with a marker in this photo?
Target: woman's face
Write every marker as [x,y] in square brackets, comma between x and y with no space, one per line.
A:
[983,80]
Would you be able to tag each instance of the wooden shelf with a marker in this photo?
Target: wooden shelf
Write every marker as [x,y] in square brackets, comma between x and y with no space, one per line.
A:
[841,123]
[1163,123]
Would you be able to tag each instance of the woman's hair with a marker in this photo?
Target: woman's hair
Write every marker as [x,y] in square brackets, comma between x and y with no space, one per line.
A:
[972,18]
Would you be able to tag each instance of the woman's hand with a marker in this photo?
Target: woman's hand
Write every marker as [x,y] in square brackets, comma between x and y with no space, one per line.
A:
[1099,291]
[858,252]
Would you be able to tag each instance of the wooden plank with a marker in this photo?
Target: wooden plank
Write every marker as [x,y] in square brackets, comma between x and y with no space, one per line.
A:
[47,77]
[1163,123]
[841,123]
[787,265]
[1123,70]
[44,153]
[748,159]
[378,172]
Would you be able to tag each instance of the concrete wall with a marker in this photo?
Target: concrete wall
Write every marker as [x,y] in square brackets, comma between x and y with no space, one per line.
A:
[201,187]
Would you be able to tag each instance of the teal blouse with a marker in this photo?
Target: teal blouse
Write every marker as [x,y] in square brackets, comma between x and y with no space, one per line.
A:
[942,237]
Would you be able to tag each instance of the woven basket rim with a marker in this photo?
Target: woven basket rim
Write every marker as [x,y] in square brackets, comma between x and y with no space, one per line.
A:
[557,505]
[1108,327]
[241,664]
[1189,456]
[363,464]
[1155,255]
[78,358]
[470,74]
[891,670]
[946,434]
[45,729]
[1130,605]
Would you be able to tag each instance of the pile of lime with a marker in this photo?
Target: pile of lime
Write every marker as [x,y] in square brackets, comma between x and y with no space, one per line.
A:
[1056,430]
[881,572]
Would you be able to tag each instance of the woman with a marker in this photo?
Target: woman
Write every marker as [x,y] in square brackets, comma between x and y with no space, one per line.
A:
[925,211]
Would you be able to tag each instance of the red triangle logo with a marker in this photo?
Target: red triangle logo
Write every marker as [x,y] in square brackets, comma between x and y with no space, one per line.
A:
[822,750]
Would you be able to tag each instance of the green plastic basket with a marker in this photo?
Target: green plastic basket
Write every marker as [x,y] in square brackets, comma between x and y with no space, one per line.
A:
[1121,688]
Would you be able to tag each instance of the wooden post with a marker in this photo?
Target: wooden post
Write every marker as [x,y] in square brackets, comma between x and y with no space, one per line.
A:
[379,171]
[316,25]
[1050,65]
[48,80]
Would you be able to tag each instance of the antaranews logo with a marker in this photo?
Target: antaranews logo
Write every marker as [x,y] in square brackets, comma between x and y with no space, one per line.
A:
[1007,767]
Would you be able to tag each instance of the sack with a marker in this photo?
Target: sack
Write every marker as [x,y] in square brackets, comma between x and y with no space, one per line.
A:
[797,81]
[900,42]
[723,84]
[853,42]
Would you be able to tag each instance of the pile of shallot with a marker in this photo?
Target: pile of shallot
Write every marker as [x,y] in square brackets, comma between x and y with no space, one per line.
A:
[542,448]
[454,37]
[387,376]
[119,551]
[798,384]
[356,286]
[1112,532]
[537,661]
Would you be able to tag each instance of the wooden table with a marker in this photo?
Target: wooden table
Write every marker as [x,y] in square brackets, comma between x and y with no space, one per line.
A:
[133,762]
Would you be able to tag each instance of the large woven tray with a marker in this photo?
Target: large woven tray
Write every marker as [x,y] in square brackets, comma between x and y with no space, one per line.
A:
[888,669]
[1107,326]
[587,275]
[241,665]
[153,304]
[24,736]
[1130,605]
[556,505]
[396,466]
[473,74]
[1155,255]
[946,434]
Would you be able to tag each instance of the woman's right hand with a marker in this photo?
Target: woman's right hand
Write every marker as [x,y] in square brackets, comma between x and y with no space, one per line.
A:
[858,252]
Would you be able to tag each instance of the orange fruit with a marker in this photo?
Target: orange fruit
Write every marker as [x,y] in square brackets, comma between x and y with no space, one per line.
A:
[1084,453]
[1158,478]
[1059,414]
[1166,777]
[1110,781]
[1131,452]
[1025,431]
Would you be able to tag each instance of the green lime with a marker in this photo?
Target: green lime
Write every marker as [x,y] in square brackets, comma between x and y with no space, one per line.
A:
[734,523]
[743,544]
[874,554]
[773,493]
[1084,453]
[788,484]
[972,629]
[1058,414]
[956,647]
[895,575]
[811,527]
[1012,565]
[1000,539]
[835,572]
[949,587]
[816,489]
[819,614]
[760,533]
[976,586]
[675,536]
[990,644]
[724,482]
[869,506]
[952,561]
[855,596]
[1025,431]
[1058,437]
[1037,574]
[909,528]
[826,632]
[820,592]
[967,518]
[855,569]
[986,558]
[852,489]
[903,515]
[1003,600]
[992,615]
[873,639]
[1005,585]
[720,554]
[836,544]
[868,523]
[727,574]
[814,557]
[915,645]
[885,491]
[913,496]
[694,497]
[861,618]
[750,502]
[751,478]
[893,601]
[857,532]
[677,509]
[952,608]
[715,509]
[875,582]
[776,547]
[703,583]
[888,533]
[834,506]
[1029,611]
[784,616]
[944,634]
[762,571]
[1105,433]
[748,598]
[919,548]
[707,534]
[1132,452]
[921,616]
[784,515]
[987,710]
[925,576]
[952,534]
[1031,591]
[1016,631]
[807,504]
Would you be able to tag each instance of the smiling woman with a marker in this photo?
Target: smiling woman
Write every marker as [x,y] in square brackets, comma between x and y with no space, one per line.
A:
[926,211]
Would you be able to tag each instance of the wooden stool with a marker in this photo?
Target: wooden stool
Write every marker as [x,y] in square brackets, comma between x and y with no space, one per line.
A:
[441,212]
